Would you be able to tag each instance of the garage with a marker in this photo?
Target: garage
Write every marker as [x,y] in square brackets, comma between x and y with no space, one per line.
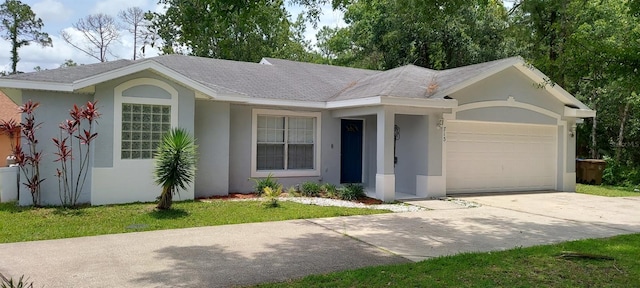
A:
[493,157]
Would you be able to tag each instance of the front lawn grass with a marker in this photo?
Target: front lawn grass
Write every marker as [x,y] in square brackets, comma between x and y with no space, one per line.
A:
[609,191]
[539,266]
[27,224]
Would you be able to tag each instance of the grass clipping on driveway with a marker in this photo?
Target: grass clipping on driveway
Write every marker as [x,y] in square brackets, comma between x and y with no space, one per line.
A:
[27,224]
[541,266]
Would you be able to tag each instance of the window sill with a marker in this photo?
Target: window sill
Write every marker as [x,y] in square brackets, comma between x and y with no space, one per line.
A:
[288,173]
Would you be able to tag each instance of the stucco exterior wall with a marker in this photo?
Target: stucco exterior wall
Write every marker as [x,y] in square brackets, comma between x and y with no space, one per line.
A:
[370,152]
[505,84]
[513,88]
[104,96]
[411,151]
[212,127]
[54,108]
[131,180]
[240,150]
[506,114]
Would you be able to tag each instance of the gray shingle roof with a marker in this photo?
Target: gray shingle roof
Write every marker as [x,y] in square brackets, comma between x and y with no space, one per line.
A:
[449,78]
[406,81]
[70,74]
[288,80]
[411,81]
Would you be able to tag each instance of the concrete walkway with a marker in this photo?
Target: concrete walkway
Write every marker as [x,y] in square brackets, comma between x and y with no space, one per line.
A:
[246,254]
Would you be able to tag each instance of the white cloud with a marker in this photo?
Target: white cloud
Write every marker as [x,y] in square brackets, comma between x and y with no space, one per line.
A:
[52,11]
[112,7]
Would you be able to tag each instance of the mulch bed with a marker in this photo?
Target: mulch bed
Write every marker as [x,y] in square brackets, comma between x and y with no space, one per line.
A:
[232,196]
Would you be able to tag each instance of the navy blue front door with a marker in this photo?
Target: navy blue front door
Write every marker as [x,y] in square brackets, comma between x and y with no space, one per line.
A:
[351,151]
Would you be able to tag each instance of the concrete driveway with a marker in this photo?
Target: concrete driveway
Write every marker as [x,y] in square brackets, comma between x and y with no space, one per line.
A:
[501,222]
[246,254]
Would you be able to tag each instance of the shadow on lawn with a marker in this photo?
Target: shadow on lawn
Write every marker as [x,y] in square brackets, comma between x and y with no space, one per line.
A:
[169,214]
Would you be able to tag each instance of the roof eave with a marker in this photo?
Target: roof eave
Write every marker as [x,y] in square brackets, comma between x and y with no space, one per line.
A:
[36,85]
[579,113]
[394,101]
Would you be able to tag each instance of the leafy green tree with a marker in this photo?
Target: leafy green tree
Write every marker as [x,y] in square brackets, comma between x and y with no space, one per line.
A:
[590,48]
[296,47]
[68,63]
[21,28]
[223,29]
[385,34]
[175,164]
[228,29]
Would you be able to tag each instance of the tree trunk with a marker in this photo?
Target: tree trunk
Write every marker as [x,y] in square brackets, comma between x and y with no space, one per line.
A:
[623,119]
[14,50]
[135,40]
[165,198]
[594,148]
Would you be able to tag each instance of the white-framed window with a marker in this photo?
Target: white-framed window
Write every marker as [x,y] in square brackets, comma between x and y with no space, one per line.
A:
[285,143]
[141,120]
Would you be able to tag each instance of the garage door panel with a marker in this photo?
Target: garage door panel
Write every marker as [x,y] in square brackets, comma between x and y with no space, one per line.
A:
[487,157]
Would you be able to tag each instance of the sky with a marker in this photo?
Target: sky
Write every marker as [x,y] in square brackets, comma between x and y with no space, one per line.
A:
[59,15]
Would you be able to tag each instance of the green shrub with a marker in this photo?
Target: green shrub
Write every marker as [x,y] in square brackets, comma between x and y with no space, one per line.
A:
[272,196]
[293,192]
[10,283]
[310,189]
[330,190]
[351,191]
[620,174]
[260,184]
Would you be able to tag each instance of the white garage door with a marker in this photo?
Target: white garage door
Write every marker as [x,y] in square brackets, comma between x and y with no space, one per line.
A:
[489,157]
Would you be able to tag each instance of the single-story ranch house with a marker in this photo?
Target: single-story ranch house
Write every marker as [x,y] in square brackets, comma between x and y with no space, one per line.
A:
[406,132]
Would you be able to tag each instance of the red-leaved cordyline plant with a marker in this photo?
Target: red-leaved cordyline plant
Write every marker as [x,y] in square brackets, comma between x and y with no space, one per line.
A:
[10,128]
[28,161]
[70,185]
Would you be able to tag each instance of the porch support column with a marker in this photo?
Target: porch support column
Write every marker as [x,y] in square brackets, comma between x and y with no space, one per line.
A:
[385,175]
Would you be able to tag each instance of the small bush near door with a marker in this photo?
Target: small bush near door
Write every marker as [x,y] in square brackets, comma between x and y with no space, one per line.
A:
[351,191]
[310,189]
[260,184]
[329,190]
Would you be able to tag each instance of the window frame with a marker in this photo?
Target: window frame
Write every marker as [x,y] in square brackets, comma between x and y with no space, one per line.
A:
[316,171]
[120,99]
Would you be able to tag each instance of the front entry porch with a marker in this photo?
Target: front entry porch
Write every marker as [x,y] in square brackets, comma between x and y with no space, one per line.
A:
[401,151]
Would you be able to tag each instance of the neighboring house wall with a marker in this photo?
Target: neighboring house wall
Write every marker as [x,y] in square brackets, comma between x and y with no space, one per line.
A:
[212,124]
[241,145]
[118,180]
[5,148]
[8,111]
[54,108]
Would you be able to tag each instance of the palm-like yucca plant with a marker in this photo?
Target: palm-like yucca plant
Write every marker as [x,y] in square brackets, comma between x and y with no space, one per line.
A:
[175,164]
